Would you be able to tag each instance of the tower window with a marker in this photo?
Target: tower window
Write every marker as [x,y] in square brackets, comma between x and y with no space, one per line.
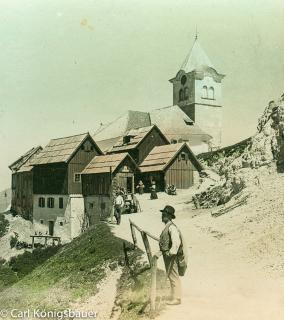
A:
[181,96]
[186,93]
[211,93]
[183,80]
[205,92]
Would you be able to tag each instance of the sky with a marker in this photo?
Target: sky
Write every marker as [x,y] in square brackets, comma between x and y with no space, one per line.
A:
[66,66]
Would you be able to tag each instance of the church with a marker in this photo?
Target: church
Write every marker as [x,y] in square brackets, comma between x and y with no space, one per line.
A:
[195,117]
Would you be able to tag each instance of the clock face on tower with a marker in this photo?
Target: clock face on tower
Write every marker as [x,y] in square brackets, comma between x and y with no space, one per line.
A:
[183,80]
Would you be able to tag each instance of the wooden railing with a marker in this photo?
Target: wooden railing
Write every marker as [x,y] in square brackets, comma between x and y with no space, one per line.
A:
[152,261]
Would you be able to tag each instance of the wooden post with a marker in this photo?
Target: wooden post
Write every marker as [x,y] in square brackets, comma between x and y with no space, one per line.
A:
[45,241]
[126,255]
[33,242]
[133,235]
[147,246]
[153,292]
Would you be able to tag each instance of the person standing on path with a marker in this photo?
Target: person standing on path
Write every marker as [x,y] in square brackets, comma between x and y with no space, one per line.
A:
[118,205]
[171,247]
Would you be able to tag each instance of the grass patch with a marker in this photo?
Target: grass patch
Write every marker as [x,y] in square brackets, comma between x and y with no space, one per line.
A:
[7,276]
[4,224]
[72,273]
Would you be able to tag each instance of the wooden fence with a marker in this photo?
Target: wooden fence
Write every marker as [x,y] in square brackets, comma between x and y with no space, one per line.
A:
[152,261]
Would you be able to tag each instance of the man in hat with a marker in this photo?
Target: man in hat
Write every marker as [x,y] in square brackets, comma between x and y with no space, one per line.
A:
[170,242]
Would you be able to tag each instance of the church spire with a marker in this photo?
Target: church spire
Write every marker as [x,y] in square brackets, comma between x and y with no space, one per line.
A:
[196,58]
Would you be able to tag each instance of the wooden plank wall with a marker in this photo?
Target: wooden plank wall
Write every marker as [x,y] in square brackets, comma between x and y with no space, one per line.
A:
[153,139]
[96,184]
[22,194]
[180,172]
[50,179]
[77,164]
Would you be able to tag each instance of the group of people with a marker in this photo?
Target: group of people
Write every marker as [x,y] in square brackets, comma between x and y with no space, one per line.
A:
[171,190]
[124,203]
[153,190]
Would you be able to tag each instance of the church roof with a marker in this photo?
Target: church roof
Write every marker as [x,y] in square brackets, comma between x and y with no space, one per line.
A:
[172,122]
[117,128]
[196,59]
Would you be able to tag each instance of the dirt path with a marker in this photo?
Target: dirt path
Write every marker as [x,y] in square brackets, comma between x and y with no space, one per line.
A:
[225,280]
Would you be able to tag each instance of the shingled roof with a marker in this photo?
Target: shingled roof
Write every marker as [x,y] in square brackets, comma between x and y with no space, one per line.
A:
[106,163]
[161,157]
[61,149]
[136,137]
[24,159]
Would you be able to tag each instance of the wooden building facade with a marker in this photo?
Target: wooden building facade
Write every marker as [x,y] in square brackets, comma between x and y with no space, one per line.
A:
[139,142]
[170,165]
[57,201]
[22,184]
[101,179]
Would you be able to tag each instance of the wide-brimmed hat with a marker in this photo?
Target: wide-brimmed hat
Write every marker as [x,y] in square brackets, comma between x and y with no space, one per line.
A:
[170,211]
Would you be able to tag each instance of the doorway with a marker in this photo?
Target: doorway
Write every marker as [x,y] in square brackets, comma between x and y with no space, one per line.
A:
[129,184]
[51,227]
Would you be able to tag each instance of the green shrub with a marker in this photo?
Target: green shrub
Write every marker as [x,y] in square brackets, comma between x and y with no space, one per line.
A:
[28,261]
[7,276]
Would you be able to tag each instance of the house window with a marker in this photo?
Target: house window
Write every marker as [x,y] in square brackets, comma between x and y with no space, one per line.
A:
[50,202]
[60,203]
[61,223]
[91,205]
[183,156]
[180,95]
[77,177]
[82,147]
[41,221]
[41,202]
[211,93]
[205,92]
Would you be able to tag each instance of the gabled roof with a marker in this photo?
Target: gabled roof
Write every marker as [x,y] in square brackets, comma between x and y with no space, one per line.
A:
[107,163]
[162,156]
[117,128]
[196,59]
[19,163]
[136,138]
[62,149]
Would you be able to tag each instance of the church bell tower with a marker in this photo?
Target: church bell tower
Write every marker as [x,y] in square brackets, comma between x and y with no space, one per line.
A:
[197,90]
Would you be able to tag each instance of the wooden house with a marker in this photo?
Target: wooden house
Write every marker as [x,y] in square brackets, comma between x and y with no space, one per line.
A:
[22,184]
[139,142]
[58,203]
[170,164]
[101,179]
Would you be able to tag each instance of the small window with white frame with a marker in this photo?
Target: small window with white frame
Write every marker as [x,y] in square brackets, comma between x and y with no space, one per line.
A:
[77,177]
[41,202]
